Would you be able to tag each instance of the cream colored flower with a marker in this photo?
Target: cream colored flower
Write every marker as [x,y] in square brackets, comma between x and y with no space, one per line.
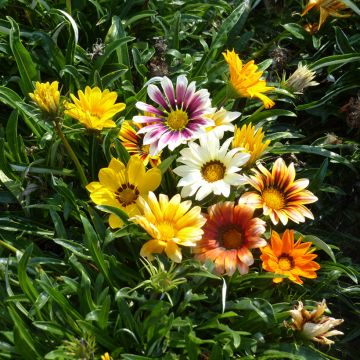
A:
[314,325]
[300,79]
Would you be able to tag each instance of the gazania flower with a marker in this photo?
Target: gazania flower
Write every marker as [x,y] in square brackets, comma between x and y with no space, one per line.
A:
[47,97]
[327,8]
[222,122]
[106,356]
[285,257]
[121,186]
[170,223]
[300,79]
[314,325]
[133,143]
[178,117]
[209,168]
[245,79]
[251,141]
[94,108]
[278,194]
[229,234]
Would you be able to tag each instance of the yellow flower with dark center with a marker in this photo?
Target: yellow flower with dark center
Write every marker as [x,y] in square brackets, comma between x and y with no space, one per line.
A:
[170,223]
[245,79]
[133,143]
[94,108]
[278,193]
[327,8]
[47,97]
[314,325]
[121,186]
[251,140]
[285,257]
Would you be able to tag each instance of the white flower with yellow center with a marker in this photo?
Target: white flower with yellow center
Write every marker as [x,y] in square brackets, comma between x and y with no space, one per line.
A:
[222,122]
[210,168]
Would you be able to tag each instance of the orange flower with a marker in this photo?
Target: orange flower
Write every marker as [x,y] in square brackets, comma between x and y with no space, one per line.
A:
[230,231]
[278,194]
[133,143]
[326,8]
[245,79]
[285,257]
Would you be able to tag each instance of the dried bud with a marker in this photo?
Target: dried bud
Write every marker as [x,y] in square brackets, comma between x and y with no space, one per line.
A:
[352,109]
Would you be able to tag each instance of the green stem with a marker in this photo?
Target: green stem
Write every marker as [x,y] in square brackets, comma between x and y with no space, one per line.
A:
[68,6]
[71,153]
[8,246]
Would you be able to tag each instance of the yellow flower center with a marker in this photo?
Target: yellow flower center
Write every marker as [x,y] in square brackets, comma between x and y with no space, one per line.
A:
[213,171]
[127,194]
[167,231]
[177,120]
[273,198]
[232,239]
[286,262]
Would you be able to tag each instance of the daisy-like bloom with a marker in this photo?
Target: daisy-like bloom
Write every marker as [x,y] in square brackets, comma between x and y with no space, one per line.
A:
[230,231]
[251,142]
[327,8]
[170,223]
[278,193]
[133,143]
[285,257]
[178,117]
[106,356]
[222,122]
[301,79]
[314,325]
[94,108]
[245,79]
[121,186]
[209,168]
[47,97]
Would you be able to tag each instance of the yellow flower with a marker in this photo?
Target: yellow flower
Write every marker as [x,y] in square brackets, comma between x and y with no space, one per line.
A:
[133,143]
[278,194]
[285,257]
[106,356]
[326,7]
[121,186]
[314,325]
[94,108]
[170,223]
[251,140]
[245,79]
[47,96]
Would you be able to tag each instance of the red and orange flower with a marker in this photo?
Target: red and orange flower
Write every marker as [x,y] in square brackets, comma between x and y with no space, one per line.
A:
[278,194]
[285,257]
[133,143]
[229,233]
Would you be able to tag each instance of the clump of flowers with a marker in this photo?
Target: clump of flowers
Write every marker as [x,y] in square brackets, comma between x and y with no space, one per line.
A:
[300,79]
[170,223]
[327,8]
[250,140]
[285,257]
[94,108]
[178,117]
[47,97]
[229,234]
[245,79]
[122,185]
[133,143]
[210,168]
[314,325]
[278,193]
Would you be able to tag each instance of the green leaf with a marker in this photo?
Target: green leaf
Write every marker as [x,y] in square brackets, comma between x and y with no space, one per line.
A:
[165,164]
[24,62]
[267,115]
[320,244]
[352,6]
[334,60]
[285,149]
[116,211]
[296,30]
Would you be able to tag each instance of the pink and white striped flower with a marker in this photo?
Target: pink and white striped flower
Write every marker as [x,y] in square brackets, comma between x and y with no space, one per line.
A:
[178,117]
